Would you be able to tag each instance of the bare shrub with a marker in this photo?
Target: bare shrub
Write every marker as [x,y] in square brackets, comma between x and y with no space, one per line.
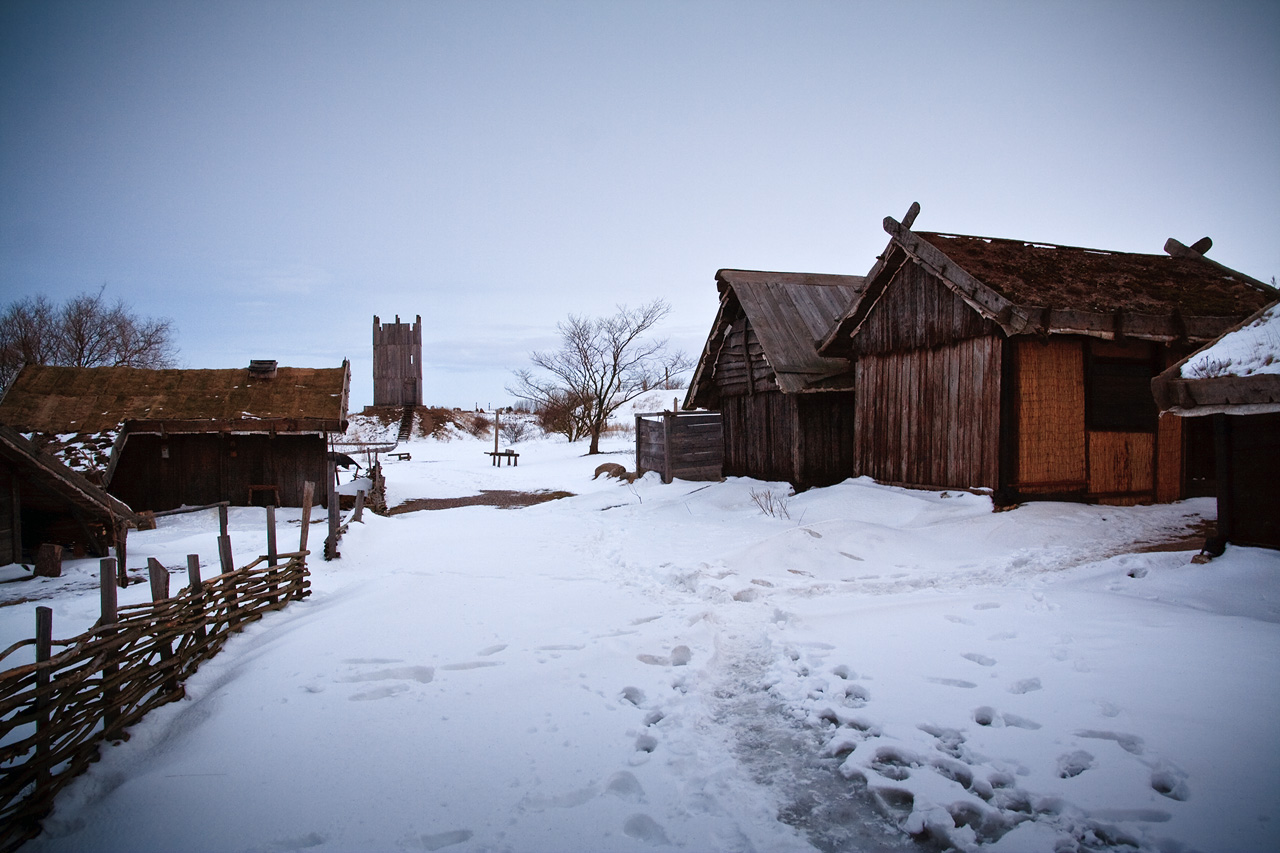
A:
[774,506]
[515,430]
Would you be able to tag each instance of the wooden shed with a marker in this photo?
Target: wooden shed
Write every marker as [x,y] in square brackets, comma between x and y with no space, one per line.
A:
[1234,384]
[42,501]
[787,410]
[1025,367]
[193,437]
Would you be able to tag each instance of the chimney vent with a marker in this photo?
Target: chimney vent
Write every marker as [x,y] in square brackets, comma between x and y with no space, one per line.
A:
[262,368]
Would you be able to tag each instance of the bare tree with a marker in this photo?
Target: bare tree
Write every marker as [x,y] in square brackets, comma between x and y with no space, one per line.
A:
[85,332]
[600,365]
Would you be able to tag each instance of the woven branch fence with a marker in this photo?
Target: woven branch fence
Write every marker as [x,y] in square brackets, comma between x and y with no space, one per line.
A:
[55,713]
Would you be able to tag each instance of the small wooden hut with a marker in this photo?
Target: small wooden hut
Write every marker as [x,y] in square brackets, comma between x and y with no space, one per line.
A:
[42,501]
[787,411]
[1234,384]
[1025,367]
[193,437]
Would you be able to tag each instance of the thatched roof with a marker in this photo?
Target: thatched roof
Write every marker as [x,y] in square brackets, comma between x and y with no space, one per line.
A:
[61,400]
[790,312]
[1045,288]
[1045,275]
[1237,374]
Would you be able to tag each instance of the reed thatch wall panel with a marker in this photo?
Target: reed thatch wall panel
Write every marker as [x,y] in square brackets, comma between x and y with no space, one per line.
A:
[1050,415]
[930,416]
[1121,466]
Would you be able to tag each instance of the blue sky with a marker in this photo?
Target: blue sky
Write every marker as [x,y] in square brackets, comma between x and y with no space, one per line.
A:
[270,175]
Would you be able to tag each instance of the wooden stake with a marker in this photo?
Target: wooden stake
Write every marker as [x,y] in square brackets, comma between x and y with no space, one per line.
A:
[308,495]
[107,585]
[272,558]
[197,591]
[44,651]
[159,577]
[222,520]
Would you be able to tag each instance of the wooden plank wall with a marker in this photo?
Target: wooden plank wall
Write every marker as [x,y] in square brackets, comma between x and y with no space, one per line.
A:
[10,519]
[210,467]
[759,433]
[824,438]
[931,416]
[1253,492]
[741,360]
[397,364]
[1049,405]
[681,445]
[917,311]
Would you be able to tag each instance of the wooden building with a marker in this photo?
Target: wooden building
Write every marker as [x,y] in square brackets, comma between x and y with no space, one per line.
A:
[787,411]
[1025,367]
[397,363]
[1234,384]
[193,437]
[42,501]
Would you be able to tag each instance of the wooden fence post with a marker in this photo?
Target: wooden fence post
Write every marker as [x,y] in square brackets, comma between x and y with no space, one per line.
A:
[666,446]
[273,557]
[308,495]
[197,593]
[44,651]
[358,513]
[159,577]
[106,629]
[331,541]
[222,520]
[228,566]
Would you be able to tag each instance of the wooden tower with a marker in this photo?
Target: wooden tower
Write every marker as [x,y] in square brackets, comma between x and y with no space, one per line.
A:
[397,363]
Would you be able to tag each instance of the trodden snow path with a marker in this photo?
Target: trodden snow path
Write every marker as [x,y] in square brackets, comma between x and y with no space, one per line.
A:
[657,665]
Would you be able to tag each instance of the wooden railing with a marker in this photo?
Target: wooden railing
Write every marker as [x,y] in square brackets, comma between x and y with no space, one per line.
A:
[55,712]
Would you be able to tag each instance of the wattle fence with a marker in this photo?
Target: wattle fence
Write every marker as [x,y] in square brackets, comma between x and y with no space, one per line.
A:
[79,692]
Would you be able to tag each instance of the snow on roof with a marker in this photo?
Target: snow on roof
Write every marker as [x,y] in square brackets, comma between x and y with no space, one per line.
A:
[1248,351]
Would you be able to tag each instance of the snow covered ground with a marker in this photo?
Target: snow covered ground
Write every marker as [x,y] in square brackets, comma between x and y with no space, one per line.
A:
[647,666]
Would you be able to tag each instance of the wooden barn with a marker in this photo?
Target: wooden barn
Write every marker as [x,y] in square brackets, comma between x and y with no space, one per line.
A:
[1234,384]
[1025,367]
[42,501]
[193,437]
[787,411]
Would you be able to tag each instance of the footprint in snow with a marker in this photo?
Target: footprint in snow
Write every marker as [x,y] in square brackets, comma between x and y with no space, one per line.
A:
[980,660]
[1129,743]
[644,828]
[440,840]
[986,605]
[562,647]
[491,650]
[951,682]
[959,620]
[1025,685]
[474,664]
[378,693]
[626,786]
[1169,781]
[1072,764]
[420,674]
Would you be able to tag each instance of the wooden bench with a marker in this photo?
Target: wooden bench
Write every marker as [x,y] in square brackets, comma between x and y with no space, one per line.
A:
[512,457]
[403,457]
[273,490]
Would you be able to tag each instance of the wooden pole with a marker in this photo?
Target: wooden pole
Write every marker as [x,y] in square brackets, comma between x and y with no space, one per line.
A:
[272,558]
[222,519]
[497,423]
[331,541]
[308,495]
[272,554]
[159,577]
[197,591]
[224,554]
[44,651]
[358,513]
[106,623]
